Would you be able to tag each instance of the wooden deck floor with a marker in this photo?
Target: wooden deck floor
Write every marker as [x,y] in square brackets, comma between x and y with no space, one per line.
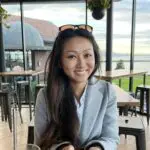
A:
[22,130]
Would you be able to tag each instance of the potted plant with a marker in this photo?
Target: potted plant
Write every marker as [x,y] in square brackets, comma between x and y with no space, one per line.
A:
[98,7]
[4,15]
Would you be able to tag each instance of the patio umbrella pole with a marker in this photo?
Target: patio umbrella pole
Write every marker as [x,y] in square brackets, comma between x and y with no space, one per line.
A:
[23,37]
[2,52]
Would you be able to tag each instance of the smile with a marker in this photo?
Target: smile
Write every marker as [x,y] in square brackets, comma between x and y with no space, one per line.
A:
[80,71]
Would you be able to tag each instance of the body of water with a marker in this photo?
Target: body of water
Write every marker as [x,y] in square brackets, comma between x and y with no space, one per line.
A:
[140,62]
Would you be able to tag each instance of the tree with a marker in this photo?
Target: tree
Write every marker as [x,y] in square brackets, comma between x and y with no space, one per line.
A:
[4,15]
[120,64]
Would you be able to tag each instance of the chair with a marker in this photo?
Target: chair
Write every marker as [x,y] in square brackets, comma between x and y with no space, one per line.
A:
[133,126]
[23,87]
[4,85]
[7,88]
[30,139]
[6,107]
[144,91]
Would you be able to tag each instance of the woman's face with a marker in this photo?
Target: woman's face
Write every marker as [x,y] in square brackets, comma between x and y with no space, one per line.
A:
[78,60]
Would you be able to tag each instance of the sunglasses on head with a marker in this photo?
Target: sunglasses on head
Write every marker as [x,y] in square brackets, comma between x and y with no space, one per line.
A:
[74,27]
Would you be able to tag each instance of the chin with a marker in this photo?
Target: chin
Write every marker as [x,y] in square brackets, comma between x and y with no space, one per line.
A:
[81,80]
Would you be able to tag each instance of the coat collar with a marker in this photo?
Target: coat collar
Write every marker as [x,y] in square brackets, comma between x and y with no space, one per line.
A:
[92,106]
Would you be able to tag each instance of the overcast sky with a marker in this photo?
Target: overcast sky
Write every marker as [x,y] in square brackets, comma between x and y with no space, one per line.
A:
[74,13]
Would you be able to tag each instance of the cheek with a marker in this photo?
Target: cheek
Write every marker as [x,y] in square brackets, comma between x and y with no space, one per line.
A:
[69,64]
[67,68]
[92,66]
[91,63]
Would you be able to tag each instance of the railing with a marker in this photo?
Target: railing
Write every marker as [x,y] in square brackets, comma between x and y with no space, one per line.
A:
[124,82]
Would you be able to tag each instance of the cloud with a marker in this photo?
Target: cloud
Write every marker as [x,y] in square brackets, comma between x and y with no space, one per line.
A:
[74,13]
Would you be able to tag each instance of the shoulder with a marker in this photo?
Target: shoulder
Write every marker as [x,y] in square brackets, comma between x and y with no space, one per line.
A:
[101,85]
[41,96]
[95,83]
[41,107]
[42,92]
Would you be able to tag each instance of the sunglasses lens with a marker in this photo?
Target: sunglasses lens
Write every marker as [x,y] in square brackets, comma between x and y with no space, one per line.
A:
[86,27]
[62,28]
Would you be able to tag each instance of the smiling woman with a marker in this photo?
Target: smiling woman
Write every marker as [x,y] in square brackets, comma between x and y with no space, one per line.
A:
[75,111]
[74,12]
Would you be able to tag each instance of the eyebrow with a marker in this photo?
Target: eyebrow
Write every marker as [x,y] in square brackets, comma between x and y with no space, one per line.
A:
[73,51]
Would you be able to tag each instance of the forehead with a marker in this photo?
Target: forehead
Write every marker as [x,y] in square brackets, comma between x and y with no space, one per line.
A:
[78,44]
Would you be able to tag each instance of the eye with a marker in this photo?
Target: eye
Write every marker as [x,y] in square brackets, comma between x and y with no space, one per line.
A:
[71,56]
[87,55]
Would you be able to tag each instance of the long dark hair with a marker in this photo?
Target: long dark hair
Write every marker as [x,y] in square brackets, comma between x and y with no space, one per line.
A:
[64,122]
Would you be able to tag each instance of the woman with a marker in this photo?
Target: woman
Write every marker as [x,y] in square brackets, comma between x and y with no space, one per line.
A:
[75,110]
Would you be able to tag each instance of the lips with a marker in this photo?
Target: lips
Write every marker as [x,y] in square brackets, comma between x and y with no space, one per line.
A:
[80,72]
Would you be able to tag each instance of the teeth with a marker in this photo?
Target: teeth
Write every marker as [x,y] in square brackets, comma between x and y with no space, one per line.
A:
[80,72]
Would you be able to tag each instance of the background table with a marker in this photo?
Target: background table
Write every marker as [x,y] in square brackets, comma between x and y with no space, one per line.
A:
[28,74]
[124,98]
[118,74]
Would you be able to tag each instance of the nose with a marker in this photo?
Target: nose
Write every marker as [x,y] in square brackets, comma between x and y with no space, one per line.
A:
[81,62]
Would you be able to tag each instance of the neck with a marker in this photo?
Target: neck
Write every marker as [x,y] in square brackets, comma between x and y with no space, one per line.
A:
[78,89]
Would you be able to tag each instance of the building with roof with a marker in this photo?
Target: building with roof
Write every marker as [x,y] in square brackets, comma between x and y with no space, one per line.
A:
[46,29]
[13,40]
[39,38]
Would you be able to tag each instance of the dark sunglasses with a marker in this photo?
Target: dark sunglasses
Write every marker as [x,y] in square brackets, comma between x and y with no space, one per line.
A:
[74,27]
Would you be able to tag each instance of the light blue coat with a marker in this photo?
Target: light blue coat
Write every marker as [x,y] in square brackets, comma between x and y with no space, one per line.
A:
[99,120]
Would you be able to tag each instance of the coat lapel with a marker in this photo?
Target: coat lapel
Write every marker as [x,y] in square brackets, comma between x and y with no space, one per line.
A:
[92,105]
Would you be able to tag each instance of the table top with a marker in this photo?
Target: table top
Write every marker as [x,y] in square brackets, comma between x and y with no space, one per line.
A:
[22,73]
[133,122]
[124,98]
[130,122]
[116,74]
